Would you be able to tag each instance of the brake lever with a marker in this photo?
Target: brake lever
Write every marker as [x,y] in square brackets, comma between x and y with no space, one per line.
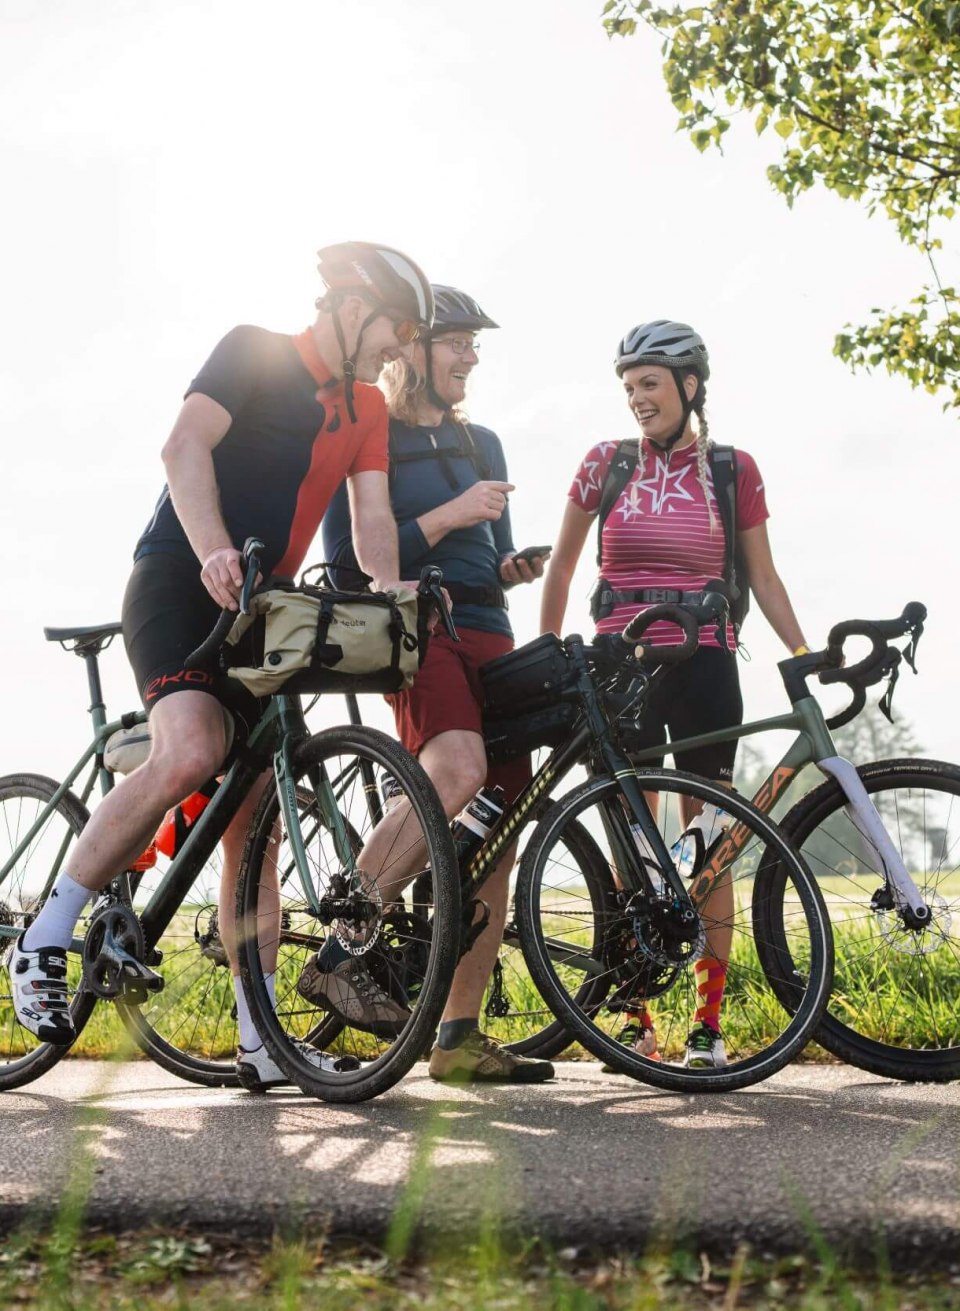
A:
[886,701]
[251,549]
[431,589]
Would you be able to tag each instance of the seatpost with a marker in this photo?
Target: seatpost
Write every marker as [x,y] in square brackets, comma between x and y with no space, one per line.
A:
[98,711]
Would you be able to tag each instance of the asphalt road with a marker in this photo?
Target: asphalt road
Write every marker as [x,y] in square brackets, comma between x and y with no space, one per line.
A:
[589,1160]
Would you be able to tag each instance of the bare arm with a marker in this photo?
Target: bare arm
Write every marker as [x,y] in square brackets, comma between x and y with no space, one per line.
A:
[188,459]
[574,527]
[768,587]
[374,527]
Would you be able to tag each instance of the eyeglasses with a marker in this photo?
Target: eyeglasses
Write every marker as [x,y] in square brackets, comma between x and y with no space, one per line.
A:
[460,345]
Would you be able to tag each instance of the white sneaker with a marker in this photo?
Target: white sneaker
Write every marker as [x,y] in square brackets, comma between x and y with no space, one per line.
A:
[39,982]
[258,1071]
[705,1049]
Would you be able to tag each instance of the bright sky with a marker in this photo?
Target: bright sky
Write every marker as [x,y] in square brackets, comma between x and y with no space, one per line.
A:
[170,168]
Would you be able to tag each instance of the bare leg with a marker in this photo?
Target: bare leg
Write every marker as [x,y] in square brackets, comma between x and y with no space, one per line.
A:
[473,972]
[268,904]
[456,764]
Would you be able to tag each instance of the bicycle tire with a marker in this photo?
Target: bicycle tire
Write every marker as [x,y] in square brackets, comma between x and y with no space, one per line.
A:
[554,1038]
[23,1057]
[878,959]
[428,966]
[761,1034]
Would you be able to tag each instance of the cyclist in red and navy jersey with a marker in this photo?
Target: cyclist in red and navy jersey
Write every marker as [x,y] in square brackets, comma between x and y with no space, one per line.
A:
[269,429]
[664,534]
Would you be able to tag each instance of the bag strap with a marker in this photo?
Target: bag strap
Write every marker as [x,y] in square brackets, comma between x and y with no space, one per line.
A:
[723,466]
[619,472]
[467,447]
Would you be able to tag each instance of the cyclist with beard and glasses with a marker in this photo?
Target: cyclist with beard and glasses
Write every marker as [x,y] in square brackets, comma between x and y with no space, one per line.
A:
[449,489]
[271,427]
[661,540]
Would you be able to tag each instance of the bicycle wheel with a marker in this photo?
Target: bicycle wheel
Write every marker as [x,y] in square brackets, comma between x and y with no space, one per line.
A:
[895,1008]
[190,1027]
[648,958]
[23,797]
[513,1011]
[408,939]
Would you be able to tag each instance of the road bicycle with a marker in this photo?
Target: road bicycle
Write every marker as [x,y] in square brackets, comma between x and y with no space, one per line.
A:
[883,839]
[609,927]
[151,942]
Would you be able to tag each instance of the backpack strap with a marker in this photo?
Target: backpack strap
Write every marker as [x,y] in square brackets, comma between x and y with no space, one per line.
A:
[466,446]
[619,472]
[723,466]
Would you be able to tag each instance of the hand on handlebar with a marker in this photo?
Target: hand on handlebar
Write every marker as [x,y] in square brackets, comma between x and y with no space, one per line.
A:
[222,576]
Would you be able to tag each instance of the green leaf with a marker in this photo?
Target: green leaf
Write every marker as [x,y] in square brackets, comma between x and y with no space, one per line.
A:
[783,127]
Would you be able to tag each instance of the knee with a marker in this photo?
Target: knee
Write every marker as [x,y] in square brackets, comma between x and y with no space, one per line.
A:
[175,774]
[457,780]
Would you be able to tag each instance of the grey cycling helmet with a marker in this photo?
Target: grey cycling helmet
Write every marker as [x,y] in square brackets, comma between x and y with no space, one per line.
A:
[455,309]
[674,345]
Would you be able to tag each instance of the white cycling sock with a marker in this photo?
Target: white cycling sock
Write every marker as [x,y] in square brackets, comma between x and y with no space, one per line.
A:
[249,1039]
[58,915]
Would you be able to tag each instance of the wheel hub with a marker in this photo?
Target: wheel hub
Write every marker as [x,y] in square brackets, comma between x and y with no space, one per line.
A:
[912,939]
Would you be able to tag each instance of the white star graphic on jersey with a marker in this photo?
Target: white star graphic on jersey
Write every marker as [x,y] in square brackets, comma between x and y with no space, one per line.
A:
[662,486]
[591,482]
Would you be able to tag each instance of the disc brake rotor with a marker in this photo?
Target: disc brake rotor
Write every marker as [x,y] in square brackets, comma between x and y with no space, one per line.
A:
[918,942]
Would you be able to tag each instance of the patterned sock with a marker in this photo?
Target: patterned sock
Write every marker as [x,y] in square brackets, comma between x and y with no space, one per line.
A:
[58,915]
[453,1032]
[710,975]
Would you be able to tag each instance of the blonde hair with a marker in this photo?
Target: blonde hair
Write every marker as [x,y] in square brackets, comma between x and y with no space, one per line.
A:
[404,387]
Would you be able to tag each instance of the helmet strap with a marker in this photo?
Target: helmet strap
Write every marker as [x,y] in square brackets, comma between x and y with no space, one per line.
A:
[350,361]
[670,443]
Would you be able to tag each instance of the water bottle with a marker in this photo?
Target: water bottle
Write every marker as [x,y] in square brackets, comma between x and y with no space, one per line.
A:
[476,822]
[390,790]
[178,821]
[689,852]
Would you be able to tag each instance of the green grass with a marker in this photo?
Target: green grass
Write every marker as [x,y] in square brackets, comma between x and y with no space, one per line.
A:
[64,1271]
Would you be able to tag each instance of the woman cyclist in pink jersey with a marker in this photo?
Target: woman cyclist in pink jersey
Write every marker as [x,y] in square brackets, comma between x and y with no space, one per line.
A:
[663,538]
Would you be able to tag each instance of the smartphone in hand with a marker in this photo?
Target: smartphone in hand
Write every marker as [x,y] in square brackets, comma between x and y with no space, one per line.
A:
[530,552]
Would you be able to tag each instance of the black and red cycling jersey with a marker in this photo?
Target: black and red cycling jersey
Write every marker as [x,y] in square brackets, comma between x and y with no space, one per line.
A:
[288,449]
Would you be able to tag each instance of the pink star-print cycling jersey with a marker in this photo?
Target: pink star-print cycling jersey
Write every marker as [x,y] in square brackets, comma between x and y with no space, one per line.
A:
[658,533]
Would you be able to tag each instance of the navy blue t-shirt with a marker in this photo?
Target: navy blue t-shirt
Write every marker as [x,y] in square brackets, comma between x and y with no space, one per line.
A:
[470,556]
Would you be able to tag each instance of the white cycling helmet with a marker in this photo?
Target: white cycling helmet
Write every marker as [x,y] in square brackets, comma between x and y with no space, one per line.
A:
[674,345]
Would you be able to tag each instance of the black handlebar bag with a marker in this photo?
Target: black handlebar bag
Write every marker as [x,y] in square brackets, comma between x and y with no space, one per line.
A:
[314,639]
[523,707]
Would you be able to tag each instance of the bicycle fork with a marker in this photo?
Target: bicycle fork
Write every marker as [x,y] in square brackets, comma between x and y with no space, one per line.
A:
[865,818]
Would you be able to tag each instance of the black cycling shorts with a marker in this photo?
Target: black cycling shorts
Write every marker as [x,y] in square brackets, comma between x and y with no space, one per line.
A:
[698,696]
[167,612]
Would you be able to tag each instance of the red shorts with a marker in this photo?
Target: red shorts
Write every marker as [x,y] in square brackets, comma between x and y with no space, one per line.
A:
[446,695]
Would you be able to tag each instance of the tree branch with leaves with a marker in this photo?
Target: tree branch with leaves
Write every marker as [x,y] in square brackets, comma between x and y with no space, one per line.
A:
[865,95]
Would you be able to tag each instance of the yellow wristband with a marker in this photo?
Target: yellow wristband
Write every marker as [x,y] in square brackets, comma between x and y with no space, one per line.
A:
[802,650]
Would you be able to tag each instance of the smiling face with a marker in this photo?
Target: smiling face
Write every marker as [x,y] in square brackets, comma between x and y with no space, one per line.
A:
[453,358]
[652,395]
